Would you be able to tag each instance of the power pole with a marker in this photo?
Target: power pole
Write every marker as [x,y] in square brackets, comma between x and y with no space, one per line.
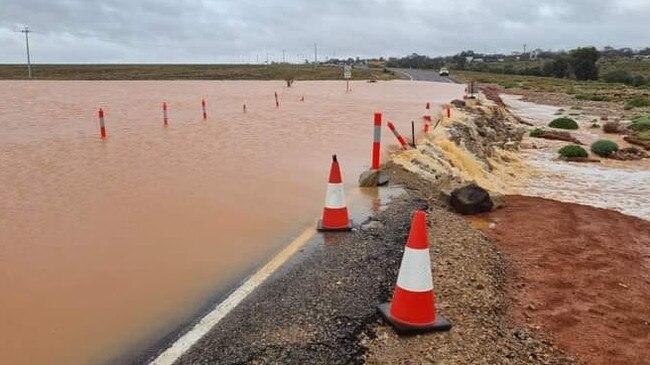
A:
[525,49]
[315,53]
[29,62]
[284,59]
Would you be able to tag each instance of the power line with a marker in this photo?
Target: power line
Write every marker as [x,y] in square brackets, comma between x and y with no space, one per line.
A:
[29,61]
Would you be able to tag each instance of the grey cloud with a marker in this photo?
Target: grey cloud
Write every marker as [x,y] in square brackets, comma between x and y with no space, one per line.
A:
[227,31]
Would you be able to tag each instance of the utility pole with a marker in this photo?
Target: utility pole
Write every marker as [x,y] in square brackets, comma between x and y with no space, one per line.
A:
[29,62]
[315,53]
[284,59]
[525,49]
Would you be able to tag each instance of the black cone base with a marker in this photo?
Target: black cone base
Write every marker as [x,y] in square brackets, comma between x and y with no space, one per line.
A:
[441,323]
[320,227]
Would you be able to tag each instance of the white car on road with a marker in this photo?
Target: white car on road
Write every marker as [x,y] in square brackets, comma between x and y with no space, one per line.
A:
[444,72]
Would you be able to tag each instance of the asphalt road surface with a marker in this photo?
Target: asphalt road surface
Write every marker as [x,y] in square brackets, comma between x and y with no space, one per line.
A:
[421,75]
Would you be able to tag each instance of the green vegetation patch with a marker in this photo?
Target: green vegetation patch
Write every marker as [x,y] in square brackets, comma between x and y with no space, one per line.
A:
[563,123]
[573,150]
[637,102]
[604,147]
[641,124]
[536,132]
[644,136]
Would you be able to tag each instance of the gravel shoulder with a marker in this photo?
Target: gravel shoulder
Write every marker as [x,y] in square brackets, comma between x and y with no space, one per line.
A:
[315,309]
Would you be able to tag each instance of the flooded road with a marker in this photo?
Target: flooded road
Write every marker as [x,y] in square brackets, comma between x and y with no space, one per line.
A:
[610,184]
[107,246]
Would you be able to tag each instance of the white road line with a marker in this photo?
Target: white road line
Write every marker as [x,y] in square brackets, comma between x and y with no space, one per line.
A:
[183,344]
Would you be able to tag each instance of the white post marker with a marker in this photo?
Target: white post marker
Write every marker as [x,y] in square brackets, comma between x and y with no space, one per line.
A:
[347,75]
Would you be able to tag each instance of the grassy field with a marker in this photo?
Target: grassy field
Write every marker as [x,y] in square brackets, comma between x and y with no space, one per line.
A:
[581,90]
[633,66]
[188,72]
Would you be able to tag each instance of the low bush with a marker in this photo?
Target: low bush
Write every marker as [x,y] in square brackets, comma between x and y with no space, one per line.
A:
[644,136]
[563,123]
[573,150]
[641,124]
[612,127]
[594,125]
[621,76]
[604,148]
[637,102]
[509,84]
[536,132]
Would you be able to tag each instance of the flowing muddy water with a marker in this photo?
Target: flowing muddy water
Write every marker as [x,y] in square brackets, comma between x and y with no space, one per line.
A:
[107,246]
[610,184]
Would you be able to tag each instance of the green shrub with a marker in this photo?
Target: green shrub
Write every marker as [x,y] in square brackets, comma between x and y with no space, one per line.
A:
[595,125]
[641,124]
[573,150]
[604,147]
[564,123]
[536,132]
[644,136]
[637,102]
[621,76]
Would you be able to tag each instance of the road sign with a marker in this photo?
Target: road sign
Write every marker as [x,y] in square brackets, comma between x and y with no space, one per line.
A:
[347,72]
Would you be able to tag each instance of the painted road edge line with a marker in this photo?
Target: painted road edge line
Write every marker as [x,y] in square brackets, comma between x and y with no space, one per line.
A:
[185,342]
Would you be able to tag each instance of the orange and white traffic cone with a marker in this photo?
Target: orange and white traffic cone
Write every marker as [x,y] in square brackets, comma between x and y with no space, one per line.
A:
[335,213]
[413,308]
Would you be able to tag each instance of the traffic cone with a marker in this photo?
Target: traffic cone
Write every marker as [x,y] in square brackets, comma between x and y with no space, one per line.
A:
[335,213]
[413,308]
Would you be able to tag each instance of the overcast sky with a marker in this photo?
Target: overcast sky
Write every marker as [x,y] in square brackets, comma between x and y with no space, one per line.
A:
[199,31]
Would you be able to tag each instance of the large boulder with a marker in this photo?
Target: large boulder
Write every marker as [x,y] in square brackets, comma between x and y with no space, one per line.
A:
[471,199]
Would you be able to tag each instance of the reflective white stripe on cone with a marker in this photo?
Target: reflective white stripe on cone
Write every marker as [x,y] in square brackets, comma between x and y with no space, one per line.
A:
[335,214]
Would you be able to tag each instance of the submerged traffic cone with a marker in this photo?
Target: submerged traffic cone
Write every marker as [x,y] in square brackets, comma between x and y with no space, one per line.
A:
[335,213]
[413,309]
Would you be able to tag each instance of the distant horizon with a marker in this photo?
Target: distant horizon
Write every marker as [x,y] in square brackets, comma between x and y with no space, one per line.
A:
[135,63]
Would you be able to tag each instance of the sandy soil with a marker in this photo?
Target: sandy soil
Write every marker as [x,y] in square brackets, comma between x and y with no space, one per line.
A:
[580,274]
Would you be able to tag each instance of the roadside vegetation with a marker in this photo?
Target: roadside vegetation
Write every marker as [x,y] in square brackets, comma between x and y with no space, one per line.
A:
[573,151]
[604,147]
[286,72]
[564,123]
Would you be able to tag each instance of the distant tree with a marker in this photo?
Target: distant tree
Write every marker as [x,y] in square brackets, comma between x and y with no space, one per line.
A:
[459,61]
[584,62]
[645,52]
[559,67]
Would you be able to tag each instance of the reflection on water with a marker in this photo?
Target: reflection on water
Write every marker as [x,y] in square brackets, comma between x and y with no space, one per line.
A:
[616,185]
[108,245]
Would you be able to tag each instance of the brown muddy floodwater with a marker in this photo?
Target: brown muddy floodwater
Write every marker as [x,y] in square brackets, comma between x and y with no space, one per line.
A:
[106,246]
